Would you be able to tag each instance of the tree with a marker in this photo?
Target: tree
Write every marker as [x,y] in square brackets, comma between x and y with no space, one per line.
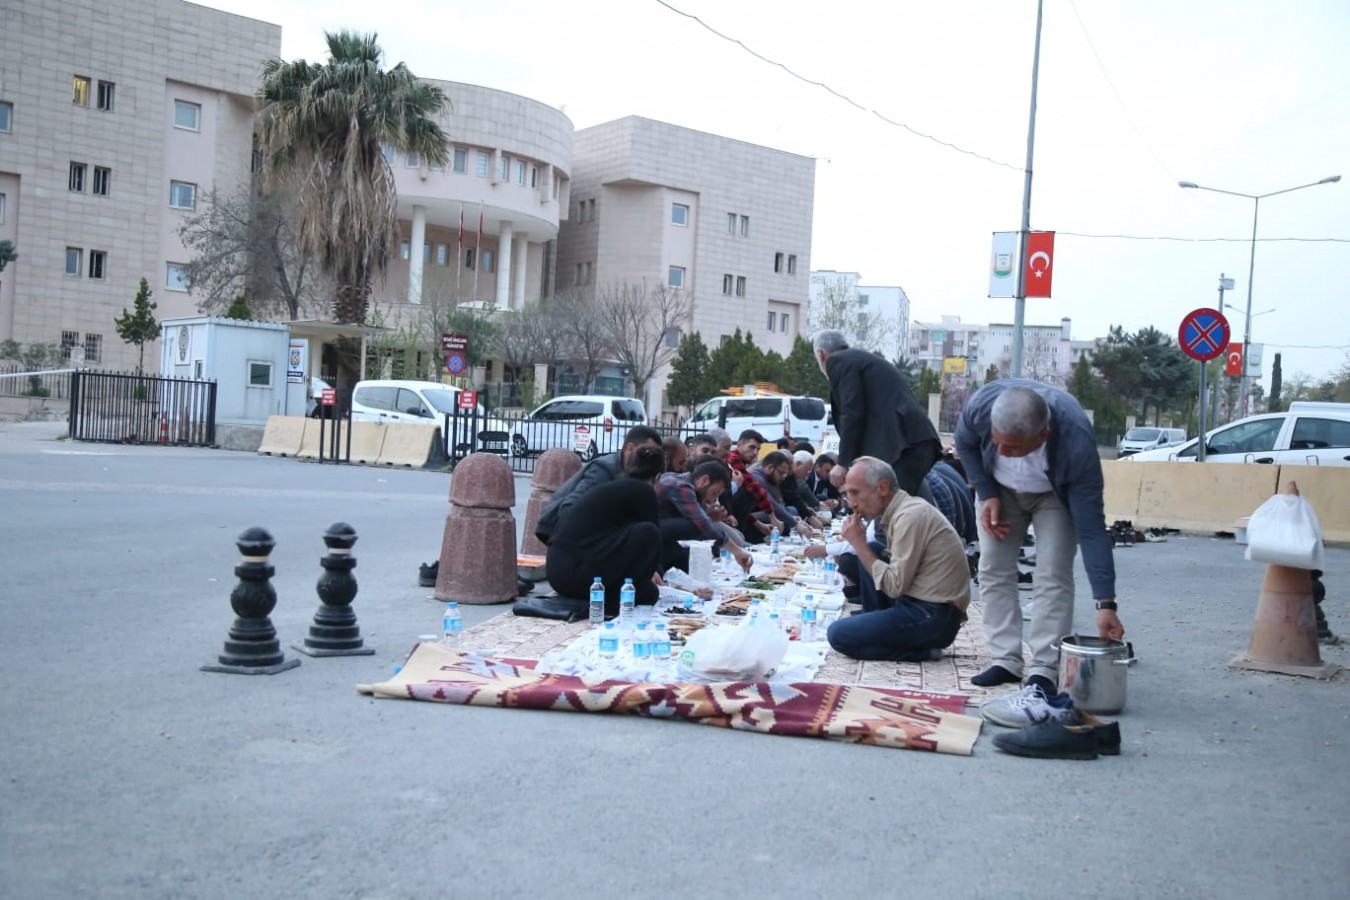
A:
[245,244]
[642,324]
[322,130]
[838,307]
[7,254]
[1145,370]
[139,327]
[412,345]
[688,384]
[801,372]
[585,336]
[992,373]
[736,361]
[1083,385]
[1276,382]
[929,382]
[238,309]
[908,368]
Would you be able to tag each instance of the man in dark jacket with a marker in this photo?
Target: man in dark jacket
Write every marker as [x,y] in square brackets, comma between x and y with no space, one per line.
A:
[876,414]
[600,470]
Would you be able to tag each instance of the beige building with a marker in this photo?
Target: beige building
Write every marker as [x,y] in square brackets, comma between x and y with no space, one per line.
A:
[728,221]
[115,116]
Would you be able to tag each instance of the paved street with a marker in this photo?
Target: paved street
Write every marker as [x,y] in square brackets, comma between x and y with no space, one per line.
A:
[126,772]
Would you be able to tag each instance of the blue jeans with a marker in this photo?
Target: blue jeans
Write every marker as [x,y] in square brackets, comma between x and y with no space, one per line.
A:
[901,629]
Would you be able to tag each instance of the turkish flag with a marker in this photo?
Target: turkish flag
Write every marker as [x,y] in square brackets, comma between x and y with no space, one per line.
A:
[1040,261]
[1233,360]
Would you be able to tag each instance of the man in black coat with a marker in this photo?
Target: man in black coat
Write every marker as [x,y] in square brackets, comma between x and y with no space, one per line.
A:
[876,414]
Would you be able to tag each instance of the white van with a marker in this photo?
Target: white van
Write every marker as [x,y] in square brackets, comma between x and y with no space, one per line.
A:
[589,424]
[427,403]
[773,416]
[1141,438]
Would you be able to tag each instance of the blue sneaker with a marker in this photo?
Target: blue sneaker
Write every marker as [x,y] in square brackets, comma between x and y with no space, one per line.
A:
[1029,706]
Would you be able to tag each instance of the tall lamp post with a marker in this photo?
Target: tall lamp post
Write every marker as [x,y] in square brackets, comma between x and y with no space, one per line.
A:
[1256,199]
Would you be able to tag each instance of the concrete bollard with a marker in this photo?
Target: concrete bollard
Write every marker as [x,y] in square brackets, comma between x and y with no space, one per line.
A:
[334,631]
[553,468]
[478,551]
[1284,634]
[252,647]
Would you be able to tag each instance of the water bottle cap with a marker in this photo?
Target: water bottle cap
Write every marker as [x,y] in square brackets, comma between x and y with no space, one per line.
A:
[628,581]
[452,605]
[609,625]
[642,626]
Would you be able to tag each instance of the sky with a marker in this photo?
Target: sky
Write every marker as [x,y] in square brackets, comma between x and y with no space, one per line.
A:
[1133,96]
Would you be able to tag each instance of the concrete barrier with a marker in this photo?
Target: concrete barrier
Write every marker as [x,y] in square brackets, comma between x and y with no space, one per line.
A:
[367,441]
[409,444]
[1201,497]
[309,441]
[1327,488]
[282,435]
[1120,498]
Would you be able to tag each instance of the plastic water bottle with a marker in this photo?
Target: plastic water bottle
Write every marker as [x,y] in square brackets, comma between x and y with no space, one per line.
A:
[774,539]
[810,616]
[642,642]
[597,601]
[831,569]
[726,561]
[452,625]
[609,641]
[775,620]
[752,614]
[661,643]
[627,604]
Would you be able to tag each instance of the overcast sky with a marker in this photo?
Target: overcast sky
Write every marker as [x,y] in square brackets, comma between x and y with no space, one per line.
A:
[1134,96]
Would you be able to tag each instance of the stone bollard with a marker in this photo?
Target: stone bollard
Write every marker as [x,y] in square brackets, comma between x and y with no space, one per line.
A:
[553,468]
[252,647]
[334,631]
[478,551]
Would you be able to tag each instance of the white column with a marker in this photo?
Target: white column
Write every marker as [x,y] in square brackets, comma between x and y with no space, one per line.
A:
[415,251]
[504,237]
[520,255]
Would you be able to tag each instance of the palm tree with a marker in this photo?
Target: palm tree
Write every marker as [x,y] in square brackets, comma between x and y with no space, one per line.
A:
[322,128]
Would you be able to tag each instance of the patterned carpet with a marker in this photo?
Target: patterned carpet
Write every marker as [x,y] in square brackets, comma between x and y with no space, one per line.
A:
[520,637]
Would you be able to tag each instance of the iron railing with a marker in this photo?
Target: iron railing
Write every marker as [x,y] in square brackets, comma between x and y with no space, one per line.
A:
[127,408]
[52,384]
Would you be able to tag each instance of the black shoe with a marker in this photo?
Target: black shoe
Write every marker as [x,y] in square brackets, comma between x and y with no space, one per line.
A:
[524,586]
[1050,740]
[1048,687]
[850,591]
[426,574]
[993,676]
[1107,734]
[1025,581]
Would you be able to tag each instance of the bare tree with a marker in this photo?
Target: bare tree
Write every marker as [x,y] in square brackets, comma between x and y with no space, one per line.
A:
[585,341]
[245,245]
[643,326]
[839,307]
[411,346]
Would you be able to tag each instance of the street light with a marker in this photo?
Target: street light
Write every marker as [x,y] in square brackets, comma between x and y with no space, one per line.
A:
[1251,266]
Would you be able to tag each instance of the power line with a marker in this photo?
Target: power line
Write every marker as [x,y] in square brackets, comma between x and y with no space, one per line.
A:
[844,97]
[1201,240]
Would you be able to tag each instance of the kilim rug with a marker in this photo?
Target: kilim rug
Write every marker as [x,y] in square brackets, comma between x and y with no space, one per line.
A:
[862,715]
[521,637]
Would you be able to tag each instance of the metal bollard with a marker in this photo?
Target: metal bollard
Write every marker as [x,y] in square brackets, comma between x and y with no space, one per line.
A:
[334,631]
[252,647]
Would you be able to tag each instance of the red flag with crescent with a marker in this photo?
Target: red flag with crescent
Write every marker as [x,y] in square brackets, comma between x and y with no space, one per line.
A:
[1233,360]
[1040,263]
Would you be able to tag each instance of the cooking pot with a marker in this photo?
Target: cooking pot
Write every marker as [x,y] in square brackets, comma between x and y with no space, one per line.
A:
[1092,671]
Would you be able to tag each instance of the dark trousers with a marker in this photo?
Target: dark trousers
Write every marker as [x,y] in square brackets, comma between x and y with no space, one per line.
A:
[673,530]
[629,552]
[902,629]
[913,465]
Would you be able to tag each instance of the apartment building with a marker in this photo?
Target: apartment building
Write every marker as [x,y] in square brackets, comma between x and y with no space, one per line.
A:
[727,221]
[881,312]
[1048,352]
[115,116]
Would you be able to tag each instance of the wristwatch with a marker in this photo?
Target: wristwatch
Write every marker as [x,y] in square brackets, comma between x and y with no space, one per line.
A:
[1107,604]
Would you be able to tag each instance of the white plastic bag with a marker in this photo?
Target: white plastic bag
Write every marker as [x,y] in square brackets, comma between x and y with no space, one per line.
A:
[1284,531]
[746,652]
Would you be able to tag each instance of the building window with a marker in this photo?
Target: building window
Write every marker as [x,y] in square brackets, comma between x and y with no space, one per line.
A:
[76,180]
[461,160]
[182,195]
[102,180]
[98,261]
[783,322]
[745,226]
[792,264]
[480,164]
[778,262]
[435,165]
[74,261]
[726,284]
[2,209]
[426,253]
[187,116]
[576,276]
[175,277]
[679,214]
[773,320]
[105,95]
[442,254]
[6,116]
[504,170]
[731,223]
[590,210]
[676,277]
[405,250]
[93,348]
[68,341]
[79,90]
[387,150]
[414,161]
[520,172]
[740,285]
[590,266]
[489,261]
[468,257]
[534,176]
[259,374]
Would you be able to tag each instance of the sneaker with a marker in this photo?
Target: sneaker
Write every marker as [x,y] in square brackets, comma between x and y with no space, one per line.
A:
[1025,581]
[1029,706]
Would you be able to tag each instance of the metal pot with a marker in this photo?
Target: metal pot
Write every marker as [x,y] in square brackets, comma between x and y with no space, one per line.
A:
[1092,671]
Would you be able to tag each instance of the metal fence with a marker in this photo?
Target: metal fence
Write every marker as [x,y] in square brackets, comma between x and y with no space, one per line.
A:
[16,381]
[142,409]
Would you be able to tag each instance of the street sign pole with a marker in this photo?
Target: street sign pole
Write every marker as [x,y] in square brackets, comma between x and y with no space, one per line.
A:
[1203,336]
[1200,444]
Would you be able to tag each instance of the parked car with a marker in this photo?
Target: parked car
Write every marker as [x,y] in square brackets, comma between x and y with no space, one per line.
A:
[426,402]
[1142,437]
[590,424]
[771,415]
[1299,437]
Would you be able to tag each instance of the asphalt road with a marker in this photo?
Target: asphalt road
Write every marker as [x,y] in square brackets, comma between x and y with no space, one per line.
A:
[126,772]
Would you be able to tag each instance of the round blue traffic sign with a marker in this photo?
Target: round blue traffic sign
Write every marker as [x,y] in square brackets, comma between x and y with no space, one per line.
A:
[1204,334]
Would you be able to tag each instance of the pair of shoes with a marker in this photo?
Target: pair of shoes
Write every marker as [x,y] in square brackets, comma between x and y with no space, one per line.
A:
[426,574]
[994,676]
[1025,581]
[1029,706]
[1084,737]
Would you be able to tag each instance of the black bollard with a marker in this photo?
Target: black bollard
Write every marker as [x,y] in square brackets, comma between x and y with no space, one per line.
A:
[335,632]
[252,647]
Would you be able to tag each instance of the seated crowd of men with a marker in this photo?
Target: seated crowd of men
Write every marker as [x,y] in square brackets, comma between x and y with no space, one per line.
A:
[625,514]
